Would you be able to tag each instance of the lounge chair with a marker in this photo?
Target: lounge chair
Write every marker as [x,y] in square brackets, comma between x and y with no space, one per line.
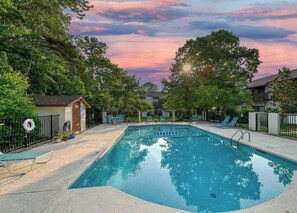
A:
[162,118]
[121,118]
[110,119]
[233,122]
[224,123]
[193,118]
[24,156]
[149,118]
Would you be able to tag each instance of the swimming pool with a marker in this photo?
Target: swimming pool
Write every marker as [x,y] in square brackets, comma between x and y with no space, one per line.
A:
[187,168]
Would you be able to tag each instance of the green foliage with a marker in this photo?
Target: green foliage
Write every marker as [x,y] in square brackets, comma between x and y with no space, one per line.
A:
[150,87]
[34,37]
[284,93]
[14,101]
[221,69]
[108,87]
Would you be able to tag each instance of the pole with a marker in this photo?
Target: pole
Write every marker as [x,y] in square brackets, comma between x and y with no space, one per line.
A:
[52,126]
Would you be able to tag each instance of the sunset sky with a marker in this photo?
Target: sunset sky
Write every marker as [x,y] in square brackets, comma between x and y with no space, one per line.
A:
[143,35]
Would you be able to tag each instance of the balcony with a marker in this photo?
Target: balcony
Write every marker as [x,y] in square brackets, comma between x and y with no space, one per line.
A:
[261,97]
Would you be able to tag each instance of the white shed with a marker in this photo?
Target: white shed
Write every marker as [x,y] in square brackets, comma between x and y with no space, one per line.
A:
[70,108]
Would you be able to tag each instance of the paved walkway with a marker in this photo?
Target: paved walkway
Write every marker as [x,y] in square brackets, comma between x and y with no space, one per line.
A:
[45,189]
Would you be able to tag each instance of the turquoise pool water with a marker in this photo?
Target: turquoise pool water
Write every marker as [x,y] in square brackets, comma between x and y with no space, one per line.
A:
[190,169]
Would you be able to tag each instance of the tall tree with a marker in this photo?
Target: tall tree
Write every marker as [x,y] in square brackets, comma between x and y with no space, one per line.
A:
[35,37]
[108,87]
[14,101]
[150,87]
[284,91]
[221,69]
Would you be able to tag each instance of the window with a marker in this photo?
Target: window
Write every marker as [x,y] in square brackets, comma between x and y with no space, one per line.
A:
[259,108]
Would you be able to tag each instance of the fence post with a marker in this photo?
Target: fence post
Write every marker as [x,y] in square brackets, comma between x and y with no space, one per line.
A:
[139,116]
[51,126]
[252,121]
[104,114]
[273,123]
[26,137]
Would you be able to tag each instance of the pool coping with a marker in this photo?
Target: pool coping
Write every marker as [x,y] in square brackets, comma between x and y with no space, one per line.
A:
[99,156]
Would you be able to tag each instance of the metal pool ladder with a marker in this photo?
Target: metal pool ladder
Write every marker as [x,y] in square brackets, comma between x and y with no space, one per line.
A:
[241,137]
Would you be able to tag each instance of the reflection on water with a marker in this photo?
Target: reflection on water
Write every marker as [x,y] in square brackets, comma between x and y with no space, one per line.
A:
[189,171]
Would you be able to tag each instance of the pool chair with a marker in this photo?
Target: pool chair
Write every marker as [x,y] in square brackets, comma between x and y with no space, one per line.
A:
[162,118]
[193,118]
[149,118]
[233,122]
[121,118]
[7,159]
[109,119]
[224,123]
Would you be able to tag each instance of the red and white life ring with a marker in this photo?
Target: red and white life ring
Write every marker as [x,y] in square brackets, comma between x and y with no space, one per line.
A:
[29,125]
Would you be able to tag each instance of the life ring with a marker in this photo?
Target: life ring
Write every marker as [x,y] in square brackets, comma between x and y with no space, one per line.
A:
[29,125]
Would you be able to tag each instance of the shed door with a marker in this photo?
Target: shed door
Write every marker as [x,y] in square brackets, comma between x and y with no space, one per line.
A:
[76,117]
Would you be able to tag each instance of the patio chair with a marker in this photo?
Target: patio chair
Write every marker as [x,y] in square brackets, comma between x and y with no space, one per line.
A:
[149,118]
[233,122]
[162,118]
[193,118]
[14,157]
[224,123]
[110,119]
[121,118]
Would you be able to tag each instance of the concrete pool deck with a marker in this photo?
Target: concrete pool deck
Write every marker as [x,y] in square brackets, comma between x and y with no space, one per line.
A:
[45,188]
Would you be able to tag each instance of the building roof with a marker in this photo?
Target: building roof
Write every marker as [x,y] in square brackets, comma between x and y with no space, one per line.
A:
[155,94]
[264,81]
[58,100]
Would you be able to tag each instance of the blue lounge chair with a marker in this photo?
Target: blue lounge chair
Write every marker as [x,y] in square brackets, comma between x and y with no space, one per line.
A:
[225,122]
[121,118]
[149,118]
[233,122]
[109,119]
[33,156]
[193,118]
[162,118]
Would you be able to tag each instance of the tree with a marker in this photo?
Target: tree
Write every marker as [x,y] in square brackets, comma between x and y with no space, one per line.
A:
[221,69]
[108,87]
[284,91]
[150,87]
[34,35]
[14,101]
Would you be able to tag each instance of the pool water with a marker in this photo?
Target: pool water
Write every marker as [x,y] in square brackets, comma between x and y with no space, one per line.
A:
[189,169]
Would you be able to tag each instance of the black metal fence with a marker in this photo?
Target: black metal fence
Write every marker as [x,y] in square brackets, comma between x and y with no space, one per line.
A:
[93,118]
[13,136]
[262,122]
[288,125]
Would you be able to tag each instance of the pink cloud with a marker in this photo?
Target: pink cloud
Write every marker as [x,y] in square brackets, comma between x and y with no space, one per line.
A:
[274,56]
[148,10]
[84,29]
[289,24]
[266,11]
[142,52]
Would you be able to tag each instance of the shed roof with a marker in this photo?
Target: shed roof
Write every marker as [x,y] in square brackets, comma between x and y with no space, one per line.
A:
[58,100]
[264,81]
